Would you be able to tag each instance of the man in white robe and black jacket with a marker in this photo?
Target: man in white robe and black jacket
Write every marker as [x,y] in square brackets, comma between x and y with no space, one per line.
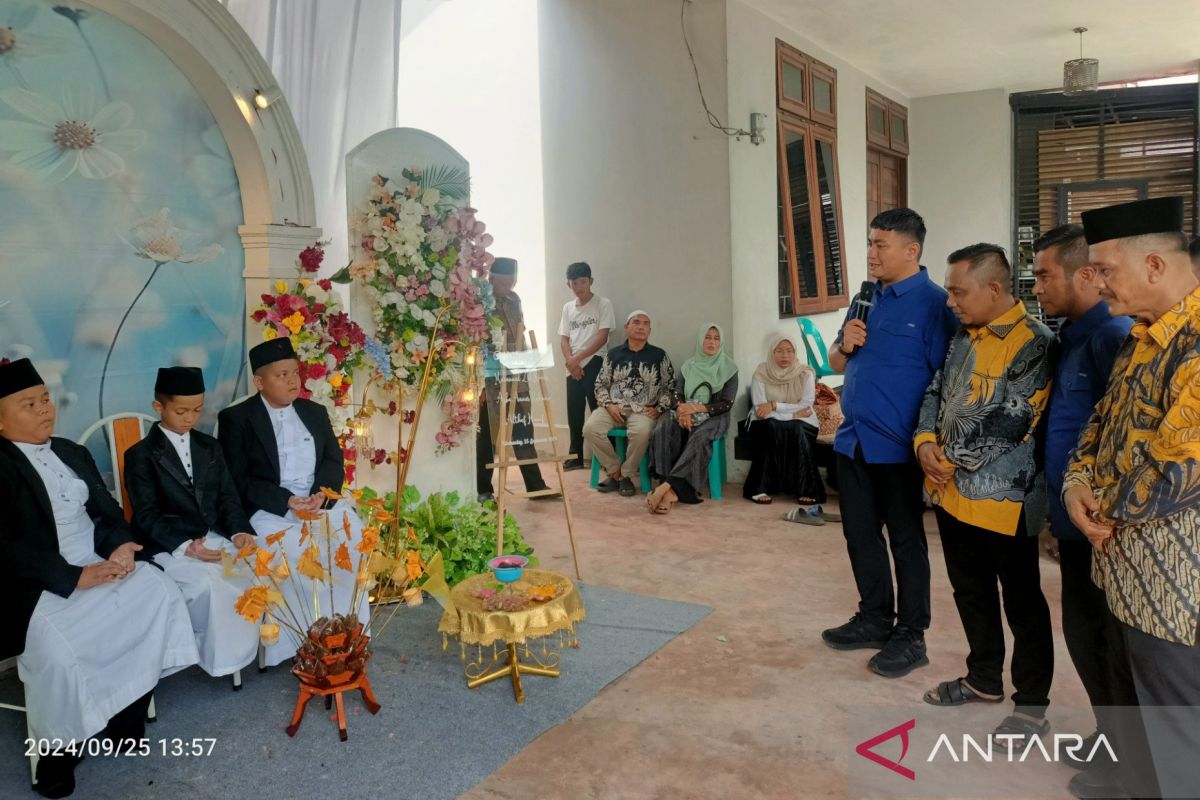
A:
[186,511]
[281,451]
[93,630]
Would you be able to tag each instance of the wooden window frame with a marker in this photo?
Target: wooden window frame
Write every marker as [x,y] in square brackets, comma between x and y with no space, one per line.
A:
[785,53]
[812,132]
[898,112]
[829,75]
[874,99]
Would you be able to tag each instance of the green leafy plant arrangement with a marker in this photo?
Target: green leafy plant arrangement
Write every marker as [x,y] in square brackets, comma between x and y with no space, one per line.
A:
[463,531]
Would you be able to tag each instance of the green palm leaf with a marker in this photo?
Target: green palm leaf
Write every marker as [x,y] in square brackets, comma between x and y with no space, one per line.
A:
[452,182]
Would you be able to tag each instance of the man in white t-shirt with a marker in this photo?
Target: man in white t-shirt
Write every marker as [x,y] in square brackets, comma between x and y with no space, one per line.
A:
[583,333]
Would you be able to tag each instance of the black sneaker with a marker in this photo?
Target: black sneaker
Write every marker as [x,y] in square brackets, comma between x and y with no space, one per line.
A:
[857,634]
[574,463]
[903,653]
[627,488]
[608,485]
[1101,781]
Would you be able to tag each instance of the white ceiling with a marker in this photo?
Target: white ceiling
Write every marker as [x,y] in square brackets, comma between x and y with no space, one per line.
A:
[926,47]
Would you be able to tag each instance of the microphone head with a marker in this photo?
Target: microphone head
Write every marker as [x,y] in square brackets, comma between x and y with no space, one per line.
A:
[867,289]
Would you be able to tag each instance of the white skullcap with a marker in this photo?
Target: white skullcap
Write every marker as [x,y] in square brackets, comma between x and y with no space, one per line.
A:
[634,313]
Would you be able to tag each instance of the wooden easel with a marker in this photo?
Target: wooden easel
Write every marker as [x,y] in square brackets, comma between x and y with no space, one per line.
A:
[507,409]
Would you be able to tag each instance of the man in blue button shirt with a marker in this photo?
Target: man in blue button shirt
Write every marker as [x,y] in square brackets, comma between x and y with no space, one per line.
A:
[1065,284]
[888,361]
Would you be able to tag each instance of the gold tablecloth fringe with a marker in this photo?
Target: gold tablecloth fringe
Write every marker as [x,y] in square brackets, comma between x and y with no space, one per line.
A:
[465,618]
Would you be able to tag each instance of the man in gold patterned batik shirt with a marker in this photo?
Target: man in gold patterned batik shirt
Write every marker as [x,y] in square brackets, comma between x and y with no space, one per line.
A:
[975,442]
[1133,485]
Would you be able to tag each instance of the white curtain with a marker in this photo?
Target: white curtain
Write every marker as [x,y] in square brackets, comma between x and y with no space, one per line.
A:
[337,63]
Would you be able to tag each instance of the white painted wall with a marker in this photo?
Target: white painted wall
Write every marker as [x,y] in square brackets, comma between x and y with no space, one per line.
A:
[469,73]
[754,179]
[636,182]
[960,171]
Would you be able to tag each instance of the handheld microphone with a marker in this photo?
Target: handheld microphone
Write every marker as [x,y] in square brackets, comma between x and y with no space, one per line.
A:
[861,305]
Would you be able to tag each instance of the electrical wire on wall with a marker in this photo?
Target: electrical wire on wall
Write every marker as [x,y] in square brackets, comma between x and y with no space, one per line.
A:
[713,120]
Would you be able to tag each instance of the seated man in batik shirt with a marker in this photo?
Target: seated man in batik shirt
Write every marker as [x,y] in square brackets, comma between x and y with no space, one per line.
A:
[634,387]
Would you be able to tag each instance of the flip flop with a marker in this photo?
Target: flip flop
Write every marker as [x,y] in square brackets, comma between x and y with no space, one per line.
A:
[1020,726]
[762,499]
[956,693]
[805,516]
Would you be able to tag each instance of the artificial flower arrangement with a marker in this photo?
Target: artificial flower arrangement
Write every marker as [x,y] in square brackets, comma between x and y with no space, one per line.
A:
[424,276]
[330,346]
[333,641]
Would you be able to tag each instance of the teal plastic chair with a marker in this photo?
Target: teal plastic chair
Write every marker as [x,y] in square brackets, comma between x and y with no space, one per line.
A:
[814,346]
[718,471]
[620,437]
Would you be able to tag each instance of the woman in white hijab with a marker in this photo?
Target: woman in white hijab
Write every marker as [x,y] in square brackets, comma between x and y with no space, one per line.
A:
[784,429]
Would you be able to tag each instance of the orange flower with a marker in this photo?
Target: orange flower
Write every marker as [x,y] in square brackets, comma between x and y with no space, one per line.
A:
[268,633]
[262,562]
[307,516]
[346,525]
[542,593]
[310,564]
[303,533]
[413,565]
[282,571]
[246,551]
[252,603]
[342,558]
[383,516]
[370,538]
[330,493]
[275,538]
[274,597]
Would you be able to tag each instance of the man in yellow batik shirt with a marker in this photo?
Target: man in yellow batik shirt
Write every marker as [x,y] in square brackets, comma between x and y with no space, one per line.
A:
[1133,486]
[975,442]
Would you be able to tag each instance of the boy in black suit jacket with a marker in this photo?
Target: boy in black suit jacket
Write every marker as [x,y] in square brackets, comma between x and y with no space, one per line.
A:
[281,450]
[93,630]
[186,511]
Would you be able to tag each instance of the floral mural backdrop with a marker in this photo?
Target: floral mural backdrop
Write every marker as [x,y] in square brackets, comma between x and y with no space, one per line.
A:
[119,209]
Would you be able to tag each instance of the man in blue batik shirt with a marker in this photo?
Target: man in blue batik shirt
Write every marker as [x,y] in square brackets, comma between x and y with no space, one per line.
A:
[1065,284]
[888,361]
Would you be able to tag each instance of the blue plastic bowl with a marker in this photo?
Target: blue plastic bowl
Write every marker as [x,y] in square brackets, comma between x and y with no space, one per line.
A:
[508,574]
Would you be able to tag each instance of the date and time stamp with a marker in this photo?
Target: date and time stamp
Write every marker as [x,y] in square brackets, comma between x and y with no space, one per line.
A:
[122,748]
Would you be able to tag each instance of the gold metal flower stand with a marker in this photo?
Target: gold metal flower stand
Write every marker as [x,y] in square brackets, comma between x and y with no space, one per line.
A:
[516,637]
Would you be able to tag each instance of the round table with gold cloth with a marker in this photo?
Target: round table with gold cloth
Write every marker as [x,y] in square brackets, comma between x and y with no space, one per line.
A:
[466,620]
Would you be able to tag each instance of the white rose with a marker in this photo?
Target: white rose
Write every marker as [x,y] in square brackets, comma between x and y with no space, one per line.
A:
[437,288]
[392,299]
[431,197]
[315,291]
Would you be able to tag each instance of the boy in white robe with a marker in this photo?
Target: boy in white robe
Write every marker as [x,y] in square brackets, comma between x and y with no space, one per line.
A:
[281,450]
[186,511]
[94,630]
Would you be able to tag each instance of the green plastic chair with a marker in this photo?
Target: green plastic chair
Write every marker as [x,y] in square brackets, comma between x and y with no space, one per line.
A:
[621,437]
[814,346]
[718,471]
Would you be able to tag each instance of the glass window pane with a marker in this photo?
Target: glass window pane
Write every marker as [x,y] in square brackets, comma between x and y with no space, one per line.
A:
[797,204]
[793,82]
[878,120]
[827,186]
[822,95]
[899,130]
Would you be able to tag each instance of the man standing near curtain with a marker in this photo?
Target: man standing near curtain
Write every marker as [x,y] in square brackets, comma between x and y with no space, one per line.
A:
[488,442]
[1133,485]
[888,361]
[1067,285]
